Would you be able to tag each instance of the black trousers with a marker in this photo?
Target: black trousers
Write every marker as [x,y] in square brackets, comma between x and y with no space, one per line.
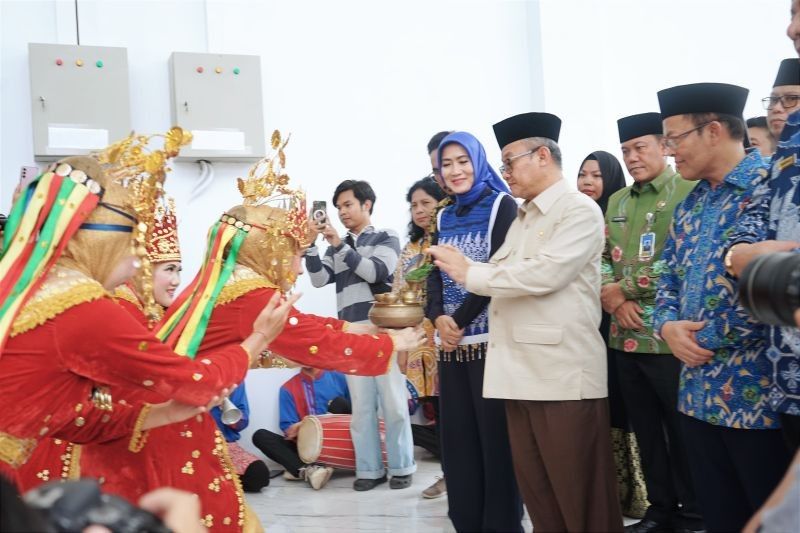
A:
[283,451]
[427,436]
[649,386]
[791,431]
[735,470]
[279,449]
[482,492]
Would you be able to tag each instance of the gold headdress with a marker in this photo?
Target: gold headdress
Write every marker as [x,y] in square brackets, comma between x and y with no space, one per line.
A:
[268,184]
[163,245]
[142,172]
[276,209]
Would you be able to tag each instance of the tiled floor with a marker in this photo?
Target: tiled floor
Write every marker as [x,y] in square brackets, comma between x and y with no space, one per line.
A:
[293,506]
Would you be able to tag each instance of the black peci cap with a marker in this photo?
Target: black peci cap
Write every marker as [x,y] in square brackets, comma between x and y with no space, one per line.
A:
[525,126]
[639,125]
[702,98]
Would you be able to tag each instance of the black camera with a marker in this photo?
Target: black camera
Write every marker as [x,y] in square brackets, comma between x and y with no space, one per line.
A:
[770,288]
[75,505]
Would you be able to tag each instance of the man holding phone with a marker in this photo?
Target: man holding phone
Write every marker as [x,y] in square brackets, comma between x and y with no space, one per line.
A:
[361,265]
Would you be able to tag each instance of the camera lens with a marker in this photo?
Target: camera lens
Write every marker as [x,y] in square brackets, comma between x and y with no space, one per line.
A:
[770,288]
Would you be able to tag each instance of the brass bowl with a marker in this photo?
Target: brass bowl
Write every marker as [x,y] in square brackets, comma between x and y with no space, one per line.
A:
[396,315]
[386,298]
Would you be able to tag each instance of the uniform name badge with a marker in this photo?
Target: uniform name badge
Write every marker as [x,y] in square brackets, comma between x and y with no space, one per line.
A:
[647,246]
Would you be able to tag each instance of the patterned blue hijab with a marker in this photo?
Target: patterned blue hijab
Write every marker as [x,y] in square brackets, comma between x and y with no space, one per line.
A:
[485,176]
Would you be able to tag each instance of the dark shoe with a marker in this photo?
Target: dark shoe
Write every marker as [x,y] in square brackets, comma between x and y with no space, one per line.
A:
[648,526]
[255,477]
[400,482]
[368,484]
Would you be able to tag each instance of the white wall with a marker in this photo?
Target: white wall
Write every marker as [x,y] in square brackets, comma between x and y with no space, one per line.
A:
[605,60]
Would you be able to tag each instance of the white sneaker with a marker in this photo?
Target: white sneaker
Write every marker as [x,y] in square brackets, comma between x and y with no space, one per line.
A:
[318,476]
[437,490]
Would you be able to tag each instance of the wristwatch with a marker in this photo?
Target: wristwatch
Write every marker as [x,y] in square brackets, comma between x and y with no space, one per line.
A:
[727,261]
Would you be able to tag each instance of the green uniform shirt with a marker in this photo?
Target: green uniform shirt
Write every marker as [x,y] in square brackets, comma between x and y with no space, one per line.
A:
[633,212]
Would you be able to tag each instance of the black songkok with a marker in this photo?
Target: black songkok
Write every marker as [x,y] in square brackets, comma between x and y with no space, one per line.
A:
[788,73]
[639,125]
[525,126]
[719,98]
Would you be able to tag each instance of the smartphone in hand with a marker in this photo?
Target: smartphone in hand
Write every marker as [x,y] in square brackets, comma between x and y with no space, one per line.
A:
[319,212]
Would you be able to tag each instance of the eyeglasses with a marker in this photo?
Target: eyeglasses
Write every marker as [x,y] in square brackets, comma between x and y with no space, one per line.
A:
[673,142]
[506,167]
[788,101]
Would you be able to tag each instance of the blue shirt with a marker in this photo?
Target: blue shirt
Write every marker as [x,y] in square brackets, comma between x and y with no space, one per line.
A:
[239,399]
[775,214]
[300,396]
[731,389]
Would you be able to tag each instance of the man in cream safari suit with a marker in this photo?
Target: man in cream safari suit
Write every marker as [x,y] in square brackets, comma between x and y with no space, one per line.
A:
[546,356]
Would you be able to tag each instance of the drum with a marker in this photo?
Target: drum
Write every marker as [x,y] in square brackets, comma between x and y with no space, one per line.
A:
[326,440]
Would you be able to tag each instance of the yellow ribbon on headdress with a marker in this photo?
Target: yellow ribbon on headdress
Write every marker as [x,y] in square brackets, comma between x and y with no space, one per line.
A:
[72,203]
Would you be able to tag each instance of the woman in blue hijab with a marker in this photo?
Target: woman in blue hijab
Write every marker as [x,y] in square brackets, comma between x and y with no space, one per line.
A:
[481,488]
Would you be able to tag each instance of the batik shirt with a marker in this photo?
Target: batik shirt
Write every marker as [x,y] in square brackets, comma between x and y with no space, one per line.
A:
[775,214]
[632,212]
[731,389]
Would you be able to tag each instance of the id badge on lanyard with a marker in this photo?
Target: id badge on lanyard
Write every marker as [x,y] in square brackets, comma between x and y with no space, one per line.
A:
[647,240]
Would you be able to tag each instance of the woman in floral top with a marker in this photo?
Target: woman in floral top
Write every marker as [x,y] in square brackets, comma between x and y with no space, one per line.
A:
[423,197]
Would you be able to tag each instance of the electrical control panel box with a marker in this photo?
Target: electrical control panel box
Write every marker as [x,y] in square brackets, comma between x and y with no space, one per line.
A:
[218,98]
[80,98]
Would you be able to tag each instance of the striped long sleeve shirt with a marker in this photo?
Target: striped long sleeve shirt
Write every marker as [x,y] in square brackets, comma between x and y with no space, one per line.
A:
[353,268]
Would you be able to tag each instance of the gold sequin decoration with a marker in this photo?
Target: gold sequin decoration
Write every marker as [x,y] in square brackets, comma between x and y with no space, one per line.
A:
[188,468]
[147,383]
[313,350]
[80,421]
[54,297]
[143,346]
[242,281]
[197,376]
[196,454]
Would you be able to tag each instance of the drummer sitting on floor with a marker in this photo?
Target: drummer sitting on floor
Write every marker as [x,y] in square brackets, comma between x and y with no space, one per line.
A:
[310,392]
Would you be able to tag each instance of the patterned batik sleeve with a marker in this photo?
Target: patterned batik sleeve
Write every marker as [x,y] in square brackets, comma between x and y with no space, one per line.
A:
[668,291]
[754,220]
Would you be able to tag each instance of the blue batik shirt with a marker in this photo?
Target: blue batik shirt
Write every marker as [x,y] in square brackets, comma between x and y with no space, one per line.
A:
[731,389]
[775,214]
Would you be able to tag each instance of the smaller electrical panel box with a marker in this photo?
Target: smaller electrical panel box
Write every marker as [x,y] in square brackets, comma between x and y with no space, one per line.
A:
[218,98]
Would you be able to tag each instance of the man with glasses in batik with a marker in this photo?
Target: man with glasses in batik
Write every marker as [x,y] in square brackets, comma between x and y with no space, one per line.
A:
[637,220]
[735,454]
[771,224]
